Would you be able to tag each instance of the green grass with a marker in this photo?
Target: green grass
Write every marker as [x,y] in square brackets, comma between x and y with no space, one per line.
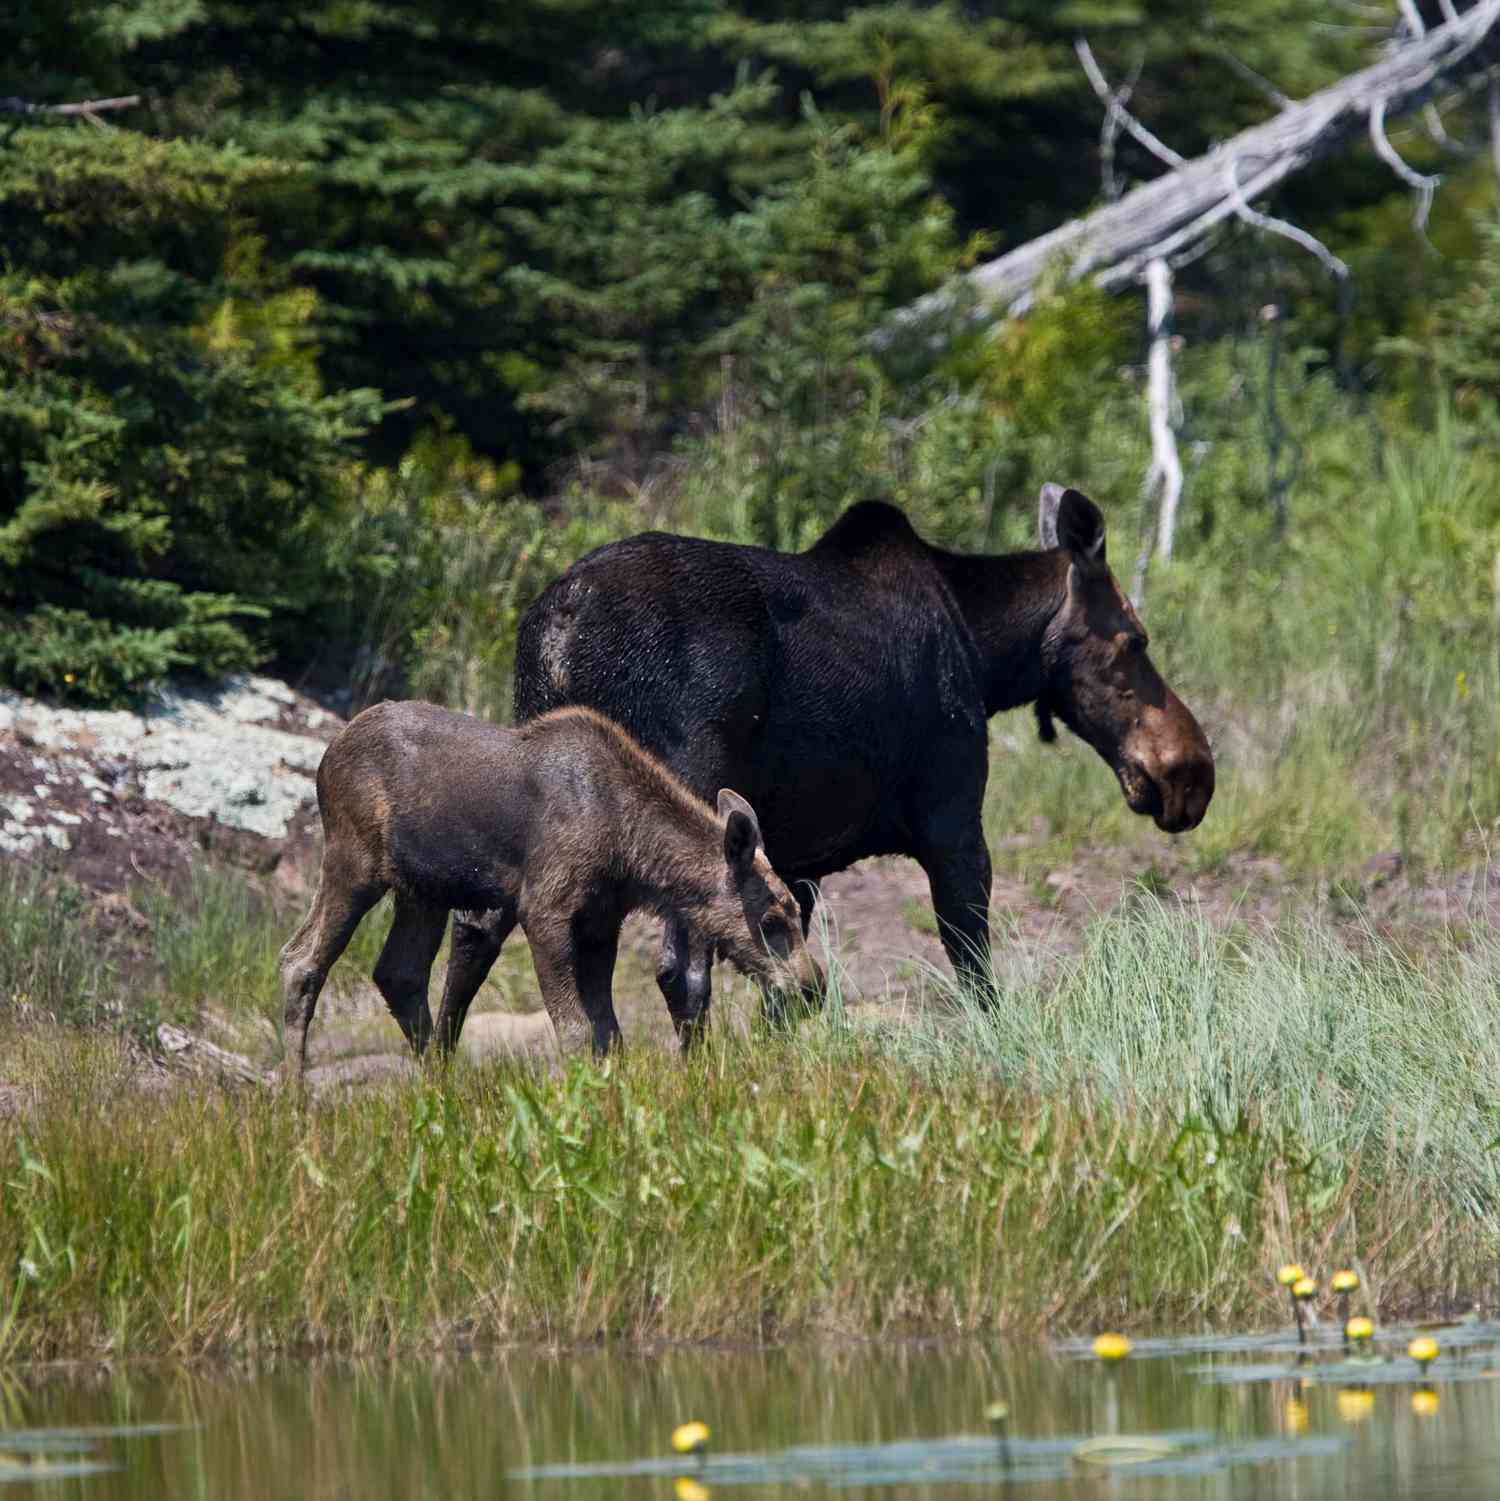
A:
[43,972]
[209,945]
[1139,1139]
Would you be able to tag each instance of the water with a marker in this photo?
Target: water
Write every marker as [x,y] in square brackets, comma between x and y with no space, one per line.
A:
[870,1420]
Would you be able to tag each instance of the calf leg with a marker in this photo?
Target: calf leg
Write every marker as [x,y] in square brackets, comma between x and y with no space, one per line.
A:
[309,953]
[596,940]
[556,977]
[405,965]
[684,975]
[474,946]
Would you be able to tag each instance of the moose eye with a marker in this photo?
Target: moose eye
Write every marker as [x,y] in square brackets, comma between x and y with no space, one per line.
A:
[777,936]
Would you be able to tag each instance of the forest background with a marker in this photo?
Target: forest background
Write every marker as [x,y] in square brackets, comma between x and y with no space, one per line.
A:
[372,316]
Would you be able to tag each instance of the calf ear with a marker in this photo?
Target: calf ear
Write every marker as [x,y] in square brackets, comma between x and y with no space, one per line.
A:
[1069,519]
[741,830]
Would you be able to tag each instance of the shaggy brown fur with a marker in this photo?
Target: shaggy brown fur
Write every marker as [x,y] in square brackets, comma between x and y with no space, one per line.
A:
[564,825]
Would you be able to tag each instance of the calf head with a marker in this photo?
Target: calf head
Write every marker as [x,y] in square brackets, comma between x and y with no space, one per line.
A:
[761,927]
[1099,681]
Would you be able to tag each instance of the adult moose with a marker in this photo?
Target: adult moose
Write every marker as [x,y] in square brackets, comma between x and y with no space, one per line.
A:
[846,689]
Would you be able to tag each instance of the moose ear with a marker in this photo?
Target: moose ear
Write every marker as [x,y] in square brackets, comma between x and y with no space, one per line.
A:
[1069,519]
[741,831]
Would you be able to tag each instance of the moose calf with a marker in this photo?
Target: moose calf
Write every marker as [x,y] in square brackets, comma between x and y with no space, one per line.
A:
[564,825]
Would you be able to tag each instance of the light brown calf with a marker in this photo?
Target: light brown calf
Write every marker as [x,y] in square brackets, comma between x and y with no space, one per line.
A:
[563,825]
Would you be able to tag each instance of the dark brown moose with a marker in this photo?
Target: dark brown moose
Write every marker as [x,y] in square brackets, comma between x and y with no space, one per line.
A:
[563,825]
[846,689]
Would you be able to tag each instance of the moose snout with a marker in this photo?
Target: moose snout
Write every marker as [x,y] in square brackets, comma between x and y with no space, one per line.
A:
[1173,786]
[810,980]
[800,982]
[1166,767]
[1175,791]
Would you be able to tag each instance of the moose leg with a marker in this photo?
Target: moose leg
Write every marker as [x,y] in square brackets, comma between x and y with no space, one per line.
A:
[807,895]
[405,965]
[596,940]
[684,975]
[474,946]
[309,953]
[552,958]
[960,882]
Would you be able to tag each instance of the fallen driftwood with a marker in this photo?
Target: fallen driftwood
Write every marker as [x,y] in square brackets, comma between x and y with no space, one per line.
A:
[1170,216]
[185,1050]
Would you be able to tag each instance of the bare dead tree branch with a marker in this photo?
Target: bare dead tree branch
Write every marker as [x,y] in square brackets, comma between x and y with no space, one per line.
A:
[1494,106]
[1413,18]
[1109,130]
[1437,132]
[1115,102]
[1154,144]
[86,107]
[1256,80]
[1422,185]
[1283,227]
[1170,215]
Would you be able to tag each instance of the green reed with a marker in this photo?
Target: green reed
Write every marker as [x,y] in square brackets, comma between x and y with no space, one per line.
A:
[1139,1139]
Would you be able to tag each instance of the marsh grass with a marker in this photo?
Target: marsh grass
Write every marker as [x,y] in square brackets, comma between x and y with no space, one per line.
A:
[1139,1139]
[211,943]
[41,972]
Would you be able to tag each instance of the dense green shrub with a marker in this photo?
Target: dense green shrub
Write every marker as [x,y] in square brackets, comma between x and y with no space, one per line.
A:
[166,462]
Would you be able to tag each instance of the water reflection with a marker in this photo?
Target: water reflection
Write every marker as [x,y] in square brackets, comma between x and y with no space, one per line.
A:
[460,1426]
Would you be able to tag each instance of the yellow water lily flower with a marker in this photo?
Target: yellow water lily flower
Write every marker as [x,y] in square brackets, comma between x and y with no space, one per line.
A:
[689,1438]
[1424,1402]
[1355,1403]
[685,1488]
[1295,1416]
[1423,1350]
[1304,1287]
[1111,1347]
[1289,1274]
[1359,1328]
[997,1412]
[1344,1282]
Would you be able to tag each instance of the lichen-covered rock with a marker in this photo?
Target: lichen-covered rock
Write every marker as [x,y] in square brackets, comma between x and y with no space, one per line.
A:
[239,757]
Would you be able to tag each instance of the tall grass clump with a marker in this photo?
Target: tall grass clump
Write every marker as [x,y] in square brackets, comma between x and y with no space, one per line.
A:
[214,942]
[43,972]
[1141,1141]
[1355,1050]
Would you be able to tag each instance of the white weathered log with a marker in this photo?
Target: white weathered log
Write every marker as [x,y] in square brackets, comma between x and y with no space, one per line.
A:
[1118,116]
[1172,213]
[182,1049]
[1161,400]
[1164,476]
[86,107]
